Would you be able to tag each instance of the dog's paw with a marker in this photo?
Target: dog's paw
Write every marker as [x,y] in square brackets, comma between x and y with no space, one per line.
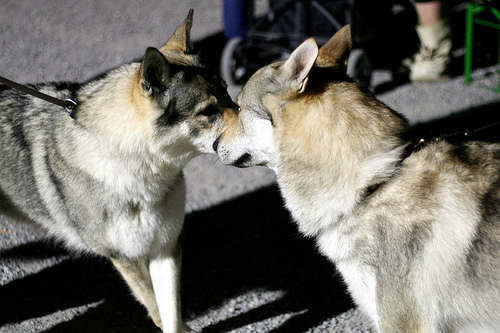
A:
[156,319]
[187,329]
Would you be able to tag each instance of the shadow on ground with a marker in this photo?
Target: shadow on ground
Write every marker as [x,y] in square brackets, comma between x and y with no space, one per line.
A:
[249,243]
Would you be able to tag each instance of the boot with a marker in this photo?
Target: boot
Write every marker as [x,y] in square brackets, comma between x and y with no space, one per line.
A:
[432,62]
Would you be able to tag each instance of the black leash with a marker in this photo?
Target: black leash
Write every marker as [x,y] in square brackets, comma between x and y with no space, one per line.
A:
[68,104]
[416,145]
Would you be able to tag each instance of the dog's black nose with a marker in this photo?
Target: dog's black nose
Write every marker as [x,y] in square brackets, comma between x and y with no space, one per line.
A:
[216,144]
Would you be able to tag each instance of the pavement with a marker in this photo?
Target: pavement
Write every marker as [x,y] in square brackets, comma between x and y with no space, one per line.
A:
[246,268]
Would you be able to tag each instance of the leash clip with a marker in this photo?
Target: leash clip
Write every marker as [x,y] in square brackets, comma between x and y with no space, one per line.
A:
[70,107]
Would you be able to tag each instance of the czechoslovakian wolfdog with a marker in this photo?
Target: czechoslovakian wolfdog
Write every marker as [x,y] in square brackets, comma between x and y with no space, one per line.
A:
[416,236]
[110,181]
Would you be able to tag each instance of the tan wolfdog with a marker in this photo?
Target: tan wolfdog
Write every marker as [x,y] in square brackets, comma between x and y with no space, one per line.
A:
[415,234]
[110,181]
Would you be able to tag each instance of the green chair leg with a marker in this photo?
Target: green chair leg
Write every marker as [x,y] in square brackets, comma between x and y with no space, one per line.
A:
[498,65]
[469,23]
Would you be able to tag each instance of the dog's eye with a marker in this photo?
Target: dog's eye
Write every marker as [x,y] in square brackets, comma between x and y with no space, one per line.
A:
[209,111]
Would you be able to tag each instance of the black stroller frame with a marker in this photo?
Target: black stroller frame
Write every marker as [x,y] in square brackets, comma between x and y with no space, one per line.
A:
[265,43]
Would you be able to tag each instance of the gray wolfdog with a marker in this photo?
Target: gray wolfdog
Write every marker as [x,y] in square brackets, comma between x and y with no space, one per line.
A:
[110,181]
[415,234]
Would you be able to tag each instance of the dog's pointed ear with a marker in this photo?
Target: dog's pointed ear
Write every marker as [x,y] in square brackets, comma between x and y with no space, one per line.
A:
[154,72]
[180,40]
[335,53]
[295,71]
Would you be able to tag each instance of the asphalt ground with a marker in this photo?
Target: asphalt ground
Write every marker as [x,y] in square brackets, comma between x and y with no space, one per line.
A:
[245,266]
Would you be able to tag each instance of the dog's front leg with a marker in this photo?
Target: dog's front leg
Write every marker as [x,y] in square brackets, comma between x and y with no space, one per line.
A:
[165,270]
[136,274]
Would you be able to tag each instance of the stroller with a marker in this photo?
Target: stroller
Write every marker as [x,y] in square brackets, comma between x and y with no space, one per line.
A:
[280,30]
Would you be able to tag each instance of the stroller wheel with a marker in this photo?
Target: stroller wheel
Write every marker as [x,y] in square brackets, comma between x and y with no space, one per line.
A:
[359,67]
[233,65]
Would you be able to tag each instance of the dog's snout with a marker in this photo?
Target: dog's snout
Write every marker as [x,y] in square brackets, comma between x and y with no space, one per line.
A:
[216,143]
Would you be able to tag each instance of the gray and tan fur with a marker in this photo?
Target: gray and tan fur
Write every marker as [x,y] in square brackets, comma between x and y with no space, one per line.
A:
[416,238]
[110,182]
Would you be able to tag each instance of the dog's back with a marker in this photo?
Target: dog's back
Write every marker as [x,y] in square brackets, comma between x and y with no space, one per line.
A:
[433,239]
[27,126]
